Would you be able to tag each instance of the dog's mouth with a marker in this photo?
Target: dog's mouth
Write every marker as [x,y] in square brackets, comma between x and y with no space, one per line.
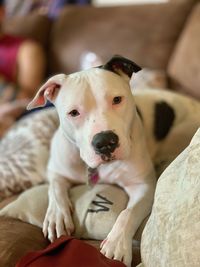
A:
[101,159]
[107,158]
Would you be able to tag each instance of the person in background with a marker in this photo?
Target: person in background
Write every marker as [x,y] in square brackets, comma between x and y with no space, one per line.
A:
[22,70]
[51,8]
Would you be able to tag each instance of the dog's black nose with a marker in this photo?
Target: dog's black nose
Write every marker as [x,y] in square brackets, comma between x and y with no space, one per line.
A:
[105,142]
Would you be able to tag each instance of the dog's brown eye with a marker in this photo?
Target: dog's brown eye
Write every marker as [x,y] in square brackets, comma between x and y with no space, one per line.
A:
[74,113]
[117,100]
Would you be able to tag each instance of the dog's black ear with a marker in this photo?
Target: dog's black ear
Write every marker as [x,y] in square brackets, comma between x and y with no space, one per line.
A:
[120,65]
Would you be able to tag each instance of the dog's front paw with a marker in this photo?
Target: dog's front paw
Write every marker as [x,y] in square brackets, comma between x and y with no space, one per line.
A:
[57,222]
[118,247]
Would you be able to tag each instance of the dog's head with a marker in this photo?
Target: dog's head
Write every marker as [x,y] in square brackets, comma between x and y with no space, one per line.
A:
[96,109]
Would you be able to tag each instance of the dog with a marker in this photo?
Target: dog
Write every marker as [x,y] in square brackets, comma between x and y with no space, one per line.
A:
[109,135]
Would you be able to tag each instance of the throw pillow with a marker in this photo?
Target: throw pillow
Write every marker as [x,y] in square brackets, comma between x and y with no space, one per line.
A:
[95,208]
[171,235]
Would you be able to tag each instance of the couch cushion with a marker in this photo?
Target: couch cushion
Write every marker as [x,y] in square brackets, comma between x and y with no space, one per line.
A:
[184,65]
[18,238]
[145,33]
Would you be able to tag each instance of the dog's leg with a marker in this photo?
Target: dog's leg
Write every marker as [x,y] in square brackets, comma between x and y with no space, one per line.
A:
[118,244]
[58,220]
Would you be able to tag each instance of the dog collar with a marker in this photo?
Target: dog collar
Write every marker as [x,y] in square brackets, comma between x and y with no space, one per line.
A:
[92,176]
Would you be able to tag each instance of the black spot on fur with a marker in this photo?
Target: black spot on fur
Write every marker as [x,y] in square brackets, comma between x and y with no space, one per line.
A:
[164,119]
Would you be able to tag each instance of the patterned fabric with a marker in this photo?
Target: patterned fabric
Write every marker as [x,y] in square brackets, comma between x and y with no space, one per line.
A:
[8,90]
[24,152]
[171,236]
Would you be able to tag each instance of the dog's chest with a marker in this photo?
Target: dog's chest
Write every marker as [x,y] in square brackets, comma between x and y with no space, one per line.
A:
[119,173]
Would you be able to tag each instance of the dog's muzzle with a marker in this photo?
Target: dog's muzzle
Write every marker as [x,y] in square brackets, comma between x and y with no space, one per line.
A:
[105,143]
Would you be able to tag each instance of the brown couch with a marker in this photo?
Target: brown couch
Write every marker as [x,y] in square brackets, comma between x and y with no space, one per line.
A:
[161,36]
[158,36]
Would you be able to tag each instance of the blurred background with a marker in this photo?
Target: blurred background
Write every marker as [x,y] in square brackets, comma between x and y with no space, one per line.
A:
[39,38]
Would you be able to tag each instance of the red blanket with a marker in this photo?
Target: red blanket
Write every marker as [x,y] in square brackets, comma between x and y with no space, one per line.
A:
[67,252]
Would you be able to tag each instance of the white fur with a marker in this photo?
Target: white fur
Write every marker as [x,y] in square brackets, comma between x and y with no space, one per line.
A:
[91,92]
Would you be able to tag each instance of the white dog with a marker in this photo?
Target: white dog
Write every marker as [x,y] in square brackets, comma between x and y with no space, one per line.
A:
[104,136]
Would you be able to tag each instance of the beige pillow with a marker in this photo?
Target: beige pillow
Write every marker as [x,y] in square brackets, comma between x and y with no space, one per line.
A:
[171,236]
[184,65]
[24,152]
[95,208]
